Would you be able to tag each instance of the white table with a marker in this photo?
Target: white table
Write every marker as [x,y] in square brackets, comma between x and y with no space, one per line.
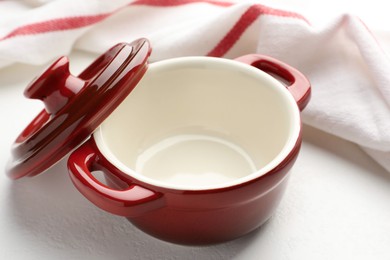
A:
[337,205]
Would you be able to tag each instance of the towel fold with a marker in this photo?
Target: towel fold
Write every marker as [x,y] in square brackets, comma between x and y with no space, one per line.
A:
[349,71]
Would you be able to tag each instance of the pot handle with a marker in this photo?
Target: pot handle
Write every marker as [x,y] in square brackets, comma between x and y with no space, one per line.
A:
[132,201]
[297,83]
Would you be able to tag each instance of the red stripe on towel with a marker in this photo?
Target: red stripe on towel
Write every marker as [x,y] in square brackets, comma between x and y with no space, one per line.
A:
[52,25]
[246,19]
[166,3]
[69,23]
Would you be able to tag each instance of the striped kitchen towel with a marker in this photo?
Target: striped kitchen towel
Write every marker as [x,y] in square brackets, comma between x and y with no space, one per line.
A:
[349,71]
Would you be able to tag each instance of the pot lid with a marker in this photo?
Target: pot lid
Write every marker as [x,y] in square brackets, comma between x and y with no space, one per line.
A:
[75,106]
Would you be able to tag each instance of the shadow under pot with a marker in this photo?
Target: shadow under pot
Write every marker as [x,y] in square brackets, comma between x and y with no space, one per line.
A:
[199,152]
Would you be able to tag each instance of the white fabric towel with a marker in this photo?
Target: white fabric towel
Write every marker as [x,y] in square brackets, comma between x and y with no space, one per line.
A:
[349,72]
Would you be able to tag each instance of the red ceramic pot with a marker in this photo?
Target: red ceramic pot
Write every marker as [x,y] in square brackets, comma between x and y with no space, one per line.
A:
[199,152]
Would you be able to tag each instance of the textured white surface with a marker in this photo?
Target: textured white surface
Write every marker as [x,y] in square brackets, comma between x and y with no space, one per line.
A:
[336,205]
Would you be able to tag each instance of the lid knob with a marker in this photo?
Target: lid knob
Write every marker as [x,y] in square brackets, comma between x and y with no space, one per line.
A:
[75,106]
[55,87]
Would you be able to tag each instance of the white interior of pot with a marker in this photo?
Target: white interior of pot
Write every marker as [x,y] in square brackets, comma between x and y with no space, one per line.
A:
[200,123]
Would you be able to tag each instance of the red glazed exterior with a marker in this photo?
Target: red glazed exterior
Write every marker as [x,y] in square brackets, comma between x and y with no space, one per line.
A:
[193,217]
[217,215]
[187,217]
